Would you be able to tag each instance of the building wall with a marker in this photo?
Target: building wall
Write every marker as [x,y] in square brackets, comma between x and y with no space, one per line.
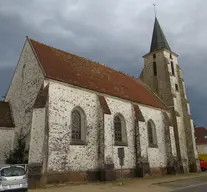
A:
[157,156]
[202,148]
[37,136]
[125,109]
[165,88]
[188,124]
[23,90]
[6,138]
[160,84]
[172,139]
[174,79]
[65,157]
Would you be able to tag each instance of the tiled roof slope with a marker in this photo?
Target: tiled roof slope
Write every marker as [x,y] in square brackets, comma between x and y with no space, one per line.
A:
[158,38]
[200,133]
[5,115]
[69,68]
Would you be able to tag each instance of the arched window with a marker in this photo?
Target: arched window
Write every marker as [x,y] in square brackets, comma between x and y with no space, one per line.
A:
[118,129]
[152,136]
[78,126]
[120,135]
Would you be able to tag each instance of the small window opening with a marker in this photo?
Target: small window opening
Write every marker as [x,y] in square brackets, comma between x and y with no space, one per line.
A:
[172,68]
[155,68]
[170,56]
[176,87]
[154,56]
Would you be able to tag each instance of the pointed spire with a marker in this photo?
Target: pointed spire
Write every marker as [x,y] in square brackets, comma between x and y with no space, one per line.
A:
[158,38]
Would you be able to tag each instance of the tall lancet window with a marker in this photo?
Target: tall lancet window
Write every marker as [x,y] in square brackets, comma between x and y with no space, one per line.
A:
[117,129]
[78,126]
[152,135]
[172,68]
[120,134]
[155,68]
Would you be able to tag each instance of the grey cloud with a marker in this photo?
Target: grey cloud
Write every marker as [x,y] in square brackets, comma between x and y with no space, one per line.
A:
[114,32]
[5,78]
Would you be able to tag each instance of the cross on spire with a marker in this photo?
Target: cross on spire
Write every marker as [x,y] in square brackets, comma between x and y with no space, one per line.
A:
[155,10]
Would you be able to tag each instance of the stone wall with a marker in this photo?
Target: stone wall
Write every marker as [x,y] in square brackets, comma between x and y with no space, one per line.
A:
[202,149]
[23,90]
[66,158]
[156,156]
[125,109]
[191,150]
[37,136]
[6,139]
[165,87]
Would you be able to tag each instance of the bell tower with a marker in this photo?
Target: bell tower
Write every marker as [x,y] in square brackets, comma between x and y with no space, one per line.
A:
[163,75]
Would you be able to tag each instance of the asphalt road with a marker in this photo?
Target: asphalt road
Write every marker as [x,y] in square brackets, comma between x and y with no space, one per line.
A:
[198,184]
[199,188]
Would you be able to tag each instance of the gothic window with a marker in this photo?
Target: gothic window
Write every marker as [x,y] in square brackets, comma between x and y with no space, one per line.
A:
[120,135]
[117,127]
[170,56]
[78,126]
[155,68]
[172,68]
[154,56]
[152,136]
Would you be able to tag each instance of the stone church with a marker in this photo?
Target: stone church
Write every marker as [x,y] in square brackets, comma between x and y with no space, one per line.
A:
[75,113]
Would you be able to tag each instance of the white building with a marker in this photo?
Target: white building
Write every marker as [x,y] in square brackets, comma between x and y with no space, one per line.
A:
[201,139]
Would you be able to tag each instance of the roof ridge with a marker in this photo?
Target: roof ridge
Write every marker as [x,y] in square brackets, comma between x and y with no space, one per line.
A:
[94,62]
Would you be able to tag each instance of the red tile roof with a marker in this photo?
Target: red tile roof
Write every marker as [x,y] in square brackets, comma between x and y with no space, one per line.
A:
[5,115]
[200,133]
[69,68]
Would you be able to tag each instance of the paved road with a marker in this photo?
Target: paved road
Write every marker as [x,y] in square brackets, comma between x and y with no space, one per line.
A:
[200,188]
[189,185]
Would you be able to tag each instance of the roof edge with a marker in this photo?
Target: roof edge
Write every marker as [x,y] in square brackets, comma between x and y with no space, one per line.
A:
[38,60]
[14,71]
[104,94]
[156,95]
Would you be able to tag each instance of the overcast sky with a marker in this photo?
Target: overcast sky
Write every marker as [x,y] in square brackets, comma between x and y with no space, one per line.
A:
[114,32]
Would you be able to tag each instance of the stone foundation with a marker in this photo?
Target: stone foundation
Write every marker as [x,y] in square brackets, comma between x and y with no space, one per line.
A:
[35,175]
[158,171]
[97,175]
[127,173]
